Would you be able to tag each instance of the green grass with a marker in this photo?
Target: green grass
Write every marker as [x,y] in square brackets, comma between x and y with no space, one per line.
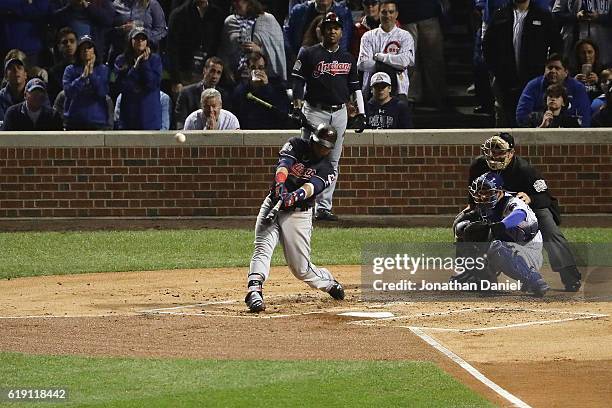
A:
[122,382]
[56,253]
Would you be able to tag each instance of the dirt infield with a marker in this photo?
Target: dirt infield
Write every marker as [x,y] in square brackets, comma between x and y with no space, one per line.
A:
[548,352]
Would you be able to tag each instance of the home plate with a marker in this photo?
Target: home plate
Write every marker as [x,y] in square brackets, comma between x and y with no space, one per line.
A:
[373,315]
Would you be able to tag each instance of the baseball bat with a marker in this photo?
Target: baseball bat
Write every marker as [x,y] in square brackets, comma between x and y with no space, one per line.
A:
[271,215]
[303,121]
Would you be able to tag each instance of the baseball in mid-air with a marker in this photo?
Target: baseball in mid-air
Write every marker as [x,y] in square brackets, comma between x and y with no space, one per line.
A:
[180,137]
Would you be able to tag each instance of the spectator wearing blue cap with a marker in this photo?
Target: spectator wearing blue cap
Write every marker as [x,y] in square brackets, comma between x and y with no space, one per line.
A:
[139,73]
[16,77]
[33,113]
[86,86]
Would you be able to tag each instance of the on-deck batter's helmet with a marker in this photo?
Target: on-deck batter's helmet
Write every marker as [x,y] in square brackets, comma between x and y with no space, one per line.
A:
[325,135]
[331,18]
[485,189]
[496,149]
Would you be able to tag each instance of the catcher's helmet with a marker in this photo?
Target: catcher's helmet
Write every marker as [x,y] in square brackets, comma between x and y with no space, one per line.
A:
[331,18]
[485,189]
[495,150]
[325,135]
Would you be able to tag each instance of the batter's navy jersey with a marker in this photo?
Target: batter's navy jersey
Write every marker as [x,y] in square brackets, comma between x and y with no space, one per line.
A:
[394,114]
[304,168]
[330,76]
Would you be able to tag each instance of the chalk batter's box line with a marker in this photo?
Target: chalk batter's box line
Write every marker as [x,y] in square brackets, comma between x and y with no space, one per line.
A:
[579,316]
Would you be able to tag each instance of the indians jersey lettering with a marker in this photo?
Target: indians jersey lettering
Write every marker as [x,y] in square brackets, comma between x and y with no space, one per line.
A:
[330,76]
[305,168]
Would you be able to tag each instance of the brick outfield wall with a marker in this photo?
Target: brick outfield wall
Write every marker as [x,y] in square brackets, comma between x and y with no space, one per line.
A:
[100,181]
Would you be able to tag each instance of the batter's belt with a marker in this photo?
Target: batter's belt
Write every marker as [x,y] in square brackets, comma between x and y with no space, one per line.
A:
[328,108]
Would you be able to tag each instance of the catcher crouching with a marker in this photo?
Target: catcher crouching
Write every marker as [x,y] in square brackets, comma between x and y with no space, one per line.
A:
[505,230]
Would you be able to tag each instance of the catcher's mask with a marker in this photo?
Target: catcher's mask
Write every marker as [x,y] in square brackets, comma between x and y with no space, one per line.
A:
[498,150]
[485,190]
[325,135]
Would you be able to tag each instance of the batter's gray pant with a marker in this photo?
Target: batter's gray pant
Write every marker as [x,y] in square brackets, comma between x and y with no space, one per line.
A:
[338,120]
[293,229]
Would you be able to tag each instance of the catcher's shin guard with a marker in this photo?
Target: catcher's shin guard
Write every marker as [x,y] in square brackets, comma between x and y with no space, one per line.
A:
[503,258]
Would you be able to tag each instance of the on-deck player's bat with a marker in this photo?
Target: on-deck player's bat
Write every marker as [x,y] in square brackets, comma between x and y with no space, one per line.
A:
[301,119]
[271,215]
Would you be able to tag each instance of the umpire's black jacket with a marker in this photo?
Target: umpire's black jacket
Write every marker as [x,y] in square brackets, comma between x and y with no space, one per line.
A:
[519,176]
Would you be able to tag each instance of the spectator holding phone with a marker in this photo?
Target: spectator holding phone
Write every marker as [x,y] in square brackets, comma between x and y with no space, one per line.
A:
[587,68]
[585,19]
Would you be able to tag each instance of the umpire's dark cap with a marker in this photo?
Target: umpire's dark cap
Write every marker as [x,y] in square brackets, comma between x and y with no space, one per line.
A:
[331,18]
[508,138]
[12,61]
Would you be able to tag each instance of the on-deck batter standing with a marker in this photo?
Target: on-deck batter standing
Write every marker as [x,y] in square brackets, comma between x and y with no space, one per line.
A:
[302,173]
[329,75]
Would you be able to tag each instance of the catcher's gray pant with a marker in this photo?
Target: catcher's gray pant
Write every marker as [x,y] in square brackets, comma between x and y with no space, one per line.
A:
[293,229]
[338,120]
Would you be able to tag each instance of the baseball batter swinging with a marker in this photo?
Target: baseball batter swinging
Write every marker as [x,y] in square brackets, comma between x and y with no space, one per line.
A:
[329,76]
[302,173]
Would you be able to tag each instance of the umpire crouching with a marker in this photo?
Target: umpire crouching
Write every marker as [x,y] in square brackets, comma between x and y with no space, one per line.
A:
[520,176]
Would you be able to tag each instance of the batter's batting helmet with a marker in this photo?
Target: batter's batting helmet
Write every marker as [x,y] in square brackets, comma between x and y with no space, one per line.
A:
[331,18]
[325,135]
[485,189]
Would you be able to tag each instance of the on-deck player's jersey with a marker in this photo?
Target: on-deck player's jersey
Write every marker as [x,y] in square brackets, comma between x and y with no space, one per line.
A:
[524,233]
[330,76]
[305,168]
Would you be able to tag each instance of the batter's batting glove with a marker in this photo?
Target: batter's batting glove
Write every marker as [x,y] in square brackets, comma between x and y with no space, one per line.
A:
[290,199]
[362,123]
[279,190]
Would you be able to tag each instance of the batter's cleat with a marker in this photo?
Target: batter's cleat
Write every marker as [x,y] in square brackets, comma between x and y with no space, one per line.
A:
[254,301]
[539,288]
[325,215]
[336,291]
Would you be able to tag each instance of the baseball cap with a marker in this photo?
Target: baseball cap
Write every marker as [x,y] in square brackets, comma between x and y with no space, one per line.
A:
[35,83]
[85,39]
[331,18]
[380,78]
[8,63]
[138,31]
[508,138]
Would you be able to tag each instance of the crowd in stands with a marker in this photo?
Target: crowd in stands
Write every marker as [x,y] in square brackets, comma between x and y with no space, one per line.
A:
[190,64]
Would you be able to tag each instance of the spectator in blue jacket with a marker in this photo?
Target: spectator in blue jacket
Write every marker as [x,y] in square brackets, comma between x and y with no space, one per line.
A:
[86,86]
[139,73]
[166,110]
[22,26]
[16,78]
[302,14]
[533,96]
[86,17]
